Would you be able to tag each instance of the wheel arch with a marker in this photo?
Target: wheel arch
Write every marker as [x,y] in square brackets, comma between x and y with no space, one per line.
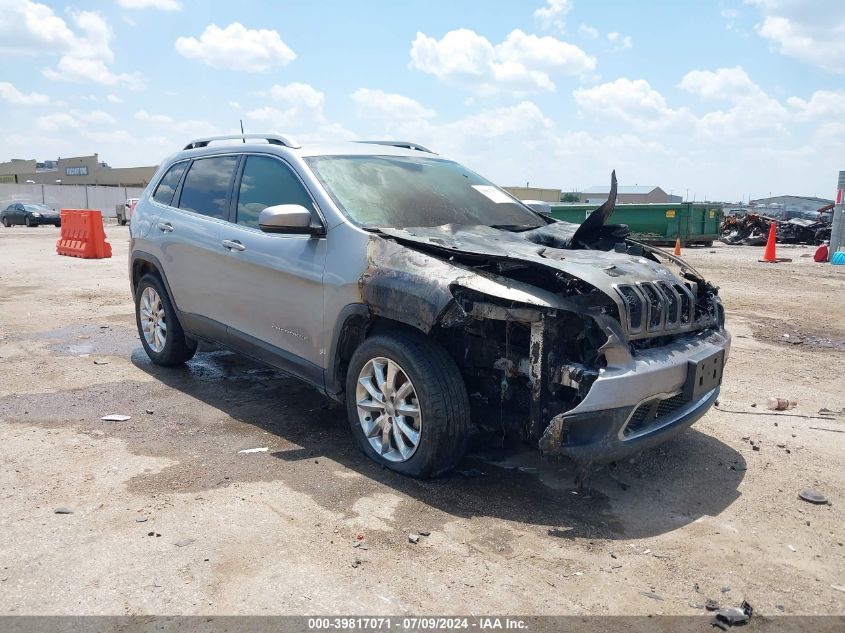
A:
[355,323]
[143,263]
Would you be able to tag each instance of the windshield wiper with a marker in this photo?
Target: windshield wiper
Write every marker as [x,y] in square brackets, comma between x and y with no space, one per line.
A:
[513,227]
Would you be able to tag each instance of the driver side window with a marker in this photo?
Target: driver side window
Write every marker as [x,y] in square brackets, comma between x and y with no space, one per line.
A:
[267,182]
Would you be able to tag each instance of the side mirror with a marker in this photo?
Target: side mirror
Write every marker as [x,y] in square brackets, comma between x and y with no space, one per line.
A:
[286,218]
[539,206]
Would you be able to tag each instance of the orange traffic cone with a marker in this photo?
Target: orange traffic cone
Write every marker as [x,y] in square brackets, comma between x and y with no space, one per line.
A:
[769,255]
[678,247]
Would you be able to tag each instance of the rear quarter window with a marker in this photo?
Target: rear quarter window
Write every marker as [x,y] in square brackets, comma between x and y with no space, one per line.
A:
[167,186]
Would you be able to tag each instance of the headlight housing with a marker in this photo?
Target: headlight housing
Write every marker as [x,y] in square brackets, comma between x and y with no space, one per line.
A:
[35,214]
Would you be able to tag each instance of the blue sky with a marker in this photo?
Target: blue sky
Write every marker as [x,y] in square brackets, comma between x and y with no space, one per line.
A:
[725,99]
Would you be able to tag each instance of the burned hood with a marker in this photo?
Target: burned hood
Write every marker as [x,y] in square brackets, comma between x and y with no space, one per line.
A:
[547,246]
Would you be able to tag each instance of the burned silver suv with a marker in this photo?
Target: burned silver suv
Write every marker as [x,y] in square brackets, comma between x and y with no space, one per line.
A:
[428,299]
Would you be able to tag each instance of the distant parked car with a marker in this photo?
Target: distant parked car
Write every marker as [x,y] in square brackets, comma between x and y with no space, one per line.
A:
[125,211]
[29,213]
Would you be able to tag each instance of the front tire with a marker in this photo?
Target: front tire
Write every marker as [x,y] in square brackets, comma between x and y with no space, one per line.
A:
[407,404]
[158,326]
[29,222]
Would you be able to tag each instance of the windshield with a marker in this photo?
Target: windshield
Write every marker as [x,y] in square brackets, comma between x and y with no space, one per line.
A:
[35,207]
[400,192]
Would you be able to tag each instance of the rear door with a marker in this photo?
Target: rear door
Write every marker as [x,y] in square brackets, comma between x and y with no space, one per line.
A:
[271,296]
[189,237]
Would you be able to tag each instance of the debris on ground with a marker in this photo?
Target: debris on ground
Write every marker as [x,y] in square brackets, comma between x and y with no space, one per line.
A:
[261,449]
[361,545]
[62,511]
[101,362]
[781,404]
[812,496]
[423,532]
[140,519]
[184,542]
[792,548]
[156,534]
[150,411]
[115,417]
[356,562]
[414,538]
[733,616]
[711,605]
[651,594]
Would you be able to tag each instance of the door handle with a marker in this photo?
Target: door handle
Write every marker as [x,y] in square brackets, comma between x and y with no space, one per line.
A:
[165,227]
[233,245]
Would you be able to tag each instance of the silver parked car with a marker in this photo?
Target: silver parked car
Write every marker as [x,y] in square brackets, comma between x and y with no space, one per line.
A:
[425,297]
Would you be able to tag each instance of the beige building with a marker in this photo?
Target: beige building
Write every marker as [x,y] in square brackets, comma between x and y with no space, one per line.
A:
[534,193]
[79,170]
[636,194]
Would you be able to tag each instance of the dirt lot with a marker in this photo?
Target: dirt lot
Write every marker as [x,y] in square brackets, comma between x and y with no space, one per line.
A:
[169,518]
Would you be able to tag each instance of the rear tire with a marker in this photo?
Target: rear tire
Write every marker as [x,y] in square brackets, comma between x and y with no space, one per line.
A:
[6,223]
[152,309]
[436,392]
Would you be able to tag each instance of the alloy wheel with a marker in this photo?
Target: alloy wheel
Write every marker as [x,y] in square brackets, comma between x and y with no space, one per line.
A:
[153,319]
[388,409]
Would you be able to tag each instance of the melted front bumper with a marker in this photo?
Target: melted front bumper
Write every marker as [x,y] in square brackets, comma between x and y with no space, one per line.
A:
[636,404]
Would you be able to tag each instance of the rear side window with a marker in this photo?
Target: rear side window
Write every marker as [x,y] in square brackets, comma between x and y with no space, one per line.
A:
[267,182]
[167,187]
[207,185]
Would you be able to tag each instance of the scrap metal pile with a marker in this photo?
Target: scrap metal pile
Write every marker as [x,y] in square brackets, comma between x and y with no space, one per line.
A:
[752,229]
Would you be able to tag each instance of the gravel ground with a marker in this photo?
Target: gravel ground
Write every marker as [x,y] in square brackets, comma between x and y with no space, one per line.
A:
[168,517]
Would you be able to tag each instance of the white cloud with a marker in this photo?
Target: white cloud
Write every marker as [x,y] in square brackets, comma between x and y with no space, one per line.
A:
[822,103]
[724,83]
[387,106]
[619,41]
[84,70]
[74,120]
[237,48]
[752,113]
[813,32]
[11,94]
[553,14]
[114,99]
[522,62]
[299,95]
[188,127]
[589,31]
[163,5]
[299,113]
[30,28]
[633,101]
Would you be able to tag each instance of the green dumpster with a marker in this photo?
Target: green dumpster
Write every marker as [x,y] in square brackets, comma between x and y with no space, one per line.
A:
[659,224]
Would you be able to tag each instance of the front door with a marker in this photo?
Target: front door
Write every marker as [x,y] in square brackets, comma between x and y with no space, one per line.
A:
[272,293]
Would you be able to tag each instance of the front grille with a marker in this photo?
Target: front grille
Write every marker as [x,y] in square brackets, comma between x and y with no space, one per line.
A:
[652,413]
[655,308]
